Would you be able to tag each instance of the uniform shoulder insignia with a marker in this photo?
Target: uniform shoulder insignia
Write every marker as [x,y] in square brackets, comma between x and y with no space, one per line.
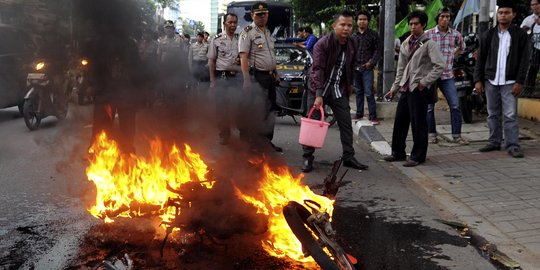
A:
[248,28]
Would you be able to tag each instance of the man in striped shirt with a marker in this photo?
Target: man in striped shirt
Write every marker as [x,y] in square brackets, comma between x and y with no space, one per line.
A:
[450,44]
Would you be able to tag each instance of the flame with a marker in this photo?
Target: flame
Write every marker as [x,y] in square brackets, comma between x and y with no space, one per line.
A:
[129,186]
[276,189]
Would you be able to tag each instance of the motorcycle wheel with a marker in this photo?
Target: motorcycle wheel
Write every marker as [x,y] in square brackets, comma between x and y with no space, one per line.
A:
[31,117]
[466,109]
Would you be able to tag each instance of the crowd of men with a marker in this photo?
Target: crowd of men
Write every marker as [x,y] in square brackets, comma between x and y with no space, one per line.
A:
[241,72]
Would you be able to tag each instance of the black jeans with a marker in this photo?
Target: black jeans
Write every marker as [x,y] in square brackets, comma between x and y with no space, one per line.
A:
[342,112]
[411,109]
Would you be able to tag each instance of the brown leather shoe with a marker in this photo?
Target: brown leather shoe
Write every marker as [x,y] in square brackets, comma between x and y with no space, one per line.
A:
[393,158]
[411,163]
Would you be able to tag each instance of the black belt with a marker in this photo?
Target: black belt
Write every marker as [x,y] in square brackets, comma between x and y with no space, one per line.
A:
[225,73]
[265,72]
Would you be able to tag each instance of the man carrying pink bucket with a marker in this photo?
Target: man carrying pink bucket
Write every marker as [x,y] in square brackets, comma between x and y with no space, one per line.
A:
[330,83]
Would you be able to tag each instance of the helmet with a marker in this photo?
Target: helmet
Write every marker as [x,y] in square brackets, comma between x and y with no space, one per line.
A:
[471,40]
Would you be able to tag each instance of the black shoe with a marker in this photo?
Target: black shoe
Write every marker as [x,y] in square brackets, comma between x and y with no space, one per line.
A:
[307,165]
[490,147]
[353,163]
[393,158]
[515,152]
[276,148]
[411,163]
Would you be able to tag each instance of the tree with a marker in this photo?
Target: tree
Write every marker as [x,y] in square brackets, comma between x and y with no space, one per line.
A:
[165,3]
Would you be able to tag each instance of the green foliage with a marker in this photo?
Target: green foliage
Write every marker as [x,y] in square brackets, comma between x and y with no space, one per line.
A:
[165,3]
[188,29]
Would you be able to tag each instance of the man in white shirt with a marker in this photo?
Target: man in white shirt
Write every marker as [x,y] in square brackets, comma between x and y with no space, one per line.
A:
[499,71]
[532,25]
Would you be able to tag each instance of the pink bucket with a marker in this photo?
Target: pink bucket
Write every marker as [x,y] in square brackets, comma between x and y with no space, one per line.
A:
[313,132]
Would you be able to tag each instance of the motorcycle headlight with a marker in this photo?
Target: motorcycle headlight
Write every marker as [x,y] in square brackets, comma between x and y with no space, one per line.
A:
[84,61]
[40,66]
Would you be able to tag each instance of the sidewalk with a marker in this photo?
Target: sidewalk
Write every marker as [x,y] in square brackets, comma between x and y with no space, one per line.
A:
[496,195]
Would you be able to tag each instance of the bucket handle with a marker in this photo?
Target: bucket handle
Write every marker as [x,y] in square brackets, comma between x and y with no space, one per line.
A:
[322,114]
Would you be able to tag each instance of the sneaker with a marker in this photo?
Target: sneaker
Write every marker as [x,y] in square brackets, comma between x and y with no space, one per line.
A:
[374,121]
[515,152]
[460,140]
[356,117]
[433,140]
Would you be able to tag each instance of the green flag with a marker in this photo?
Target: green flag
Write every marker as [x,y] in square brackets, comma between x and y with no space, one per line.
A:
[431,10]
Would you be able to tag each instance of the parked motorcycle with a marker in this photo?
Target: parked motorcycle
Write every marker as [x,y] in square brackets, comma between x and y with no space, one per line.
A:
[79,84]
[463,69]
[42,99]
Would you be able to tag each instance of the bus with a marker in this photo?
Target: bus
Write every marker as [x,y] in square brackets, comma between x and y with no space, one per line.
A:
[279,22]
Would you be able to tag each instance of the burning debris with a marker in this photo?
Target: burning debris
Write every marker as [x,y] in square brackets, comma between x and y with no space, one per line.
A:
[179,192]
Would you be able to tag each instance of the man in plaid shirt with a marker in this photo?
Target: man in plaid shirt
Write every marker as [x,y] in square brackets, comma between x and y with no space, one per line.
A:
[450,44]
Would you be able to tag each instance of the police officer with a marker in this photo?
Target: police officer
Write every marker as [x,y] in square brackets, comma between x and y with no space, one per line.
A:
[257,57]
[198,59]
[224,68]
[172,61]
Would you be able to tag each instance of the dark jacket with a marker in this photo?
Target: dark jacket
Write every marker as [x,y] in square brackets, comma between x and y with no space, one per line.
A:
[325,54]
[369,49]
[518,57]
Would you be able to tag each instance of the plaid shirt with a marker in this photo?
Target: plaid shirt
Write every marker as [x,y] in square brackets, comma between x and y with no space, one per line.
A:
[448,45]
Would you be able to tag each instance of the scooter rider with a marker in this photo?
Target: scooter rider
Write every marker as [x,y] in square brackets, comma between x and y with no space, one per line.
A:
[224,69]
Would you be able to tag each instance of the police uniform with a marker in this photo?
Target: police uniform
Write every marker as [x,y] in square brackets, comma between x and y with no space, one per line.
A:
[172,68]
[259,45]
[198,60]
[170,50]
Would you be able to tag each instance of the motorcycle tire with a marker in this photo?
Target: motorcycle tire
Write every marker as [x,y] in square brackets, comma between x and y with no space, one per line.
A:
[296,216]
[466,109]
[31,117]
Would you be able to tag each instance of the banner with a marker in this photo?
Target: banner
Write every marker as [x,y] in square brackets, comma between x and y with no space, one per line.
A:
[467,8]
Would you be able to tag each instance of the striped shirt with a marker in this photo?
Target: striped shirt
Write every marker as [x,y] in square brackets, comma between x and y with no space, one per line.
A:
[449,43]
[336,81]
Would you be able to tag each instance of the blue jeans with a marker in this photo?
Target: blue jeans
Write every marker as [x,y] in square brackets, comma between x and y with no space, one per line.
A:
[448,88]
[500,100]
[363,85]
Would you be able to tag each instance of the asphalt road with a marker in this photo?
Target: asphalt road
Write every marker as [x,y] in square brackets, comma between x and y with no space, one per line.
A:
[381,218]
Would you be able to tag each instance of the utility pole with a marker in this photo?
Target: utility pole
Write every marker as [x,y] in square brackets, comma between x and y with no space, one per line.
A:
[380,65]
[389,30]
[483,16]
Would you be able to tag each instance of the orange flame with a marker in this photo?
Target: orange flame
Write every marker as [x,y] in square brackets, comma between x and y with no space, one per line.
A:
[128,186]
[275,191]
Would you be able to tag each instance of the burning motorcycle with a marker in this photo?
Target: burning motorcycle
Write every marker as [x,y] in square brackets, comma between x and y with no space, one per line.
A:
[43,98]
[463,74]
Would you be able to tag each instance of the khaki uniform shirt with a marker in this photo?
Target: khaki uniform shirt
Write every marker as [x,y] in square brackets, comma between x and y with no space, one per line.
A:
[170,49]
[225,51]
[198,51]
[260,47]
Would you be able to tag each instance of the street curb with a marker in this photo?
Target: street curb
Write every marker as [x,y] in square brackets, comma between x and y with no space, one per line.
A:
[366,130]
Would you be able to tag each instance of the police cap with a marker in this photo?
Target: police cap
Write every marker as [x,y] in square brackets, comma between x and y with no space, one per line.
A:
[168,23]
[259,7]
